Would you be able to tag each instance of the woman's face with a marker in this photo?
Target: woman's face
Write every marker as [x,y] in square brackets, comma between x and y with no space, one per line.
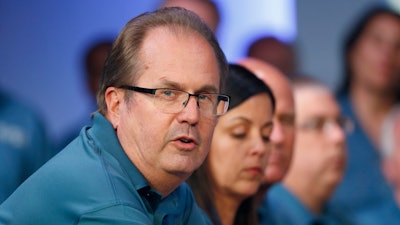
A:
[375,57]
[240,148]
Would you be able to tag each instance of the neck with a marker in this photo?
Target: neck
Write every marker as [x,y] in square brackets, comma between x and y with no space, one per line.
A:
[164,182]
[371,101]
[160,180]
[227,207]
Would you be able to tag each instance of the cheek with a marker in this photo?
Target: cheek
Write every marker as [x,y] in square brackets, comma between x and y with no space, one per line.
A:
[289,143]
[307,151]
[224,158]
[361,59]
[206,129]
[219,151]
[148,131]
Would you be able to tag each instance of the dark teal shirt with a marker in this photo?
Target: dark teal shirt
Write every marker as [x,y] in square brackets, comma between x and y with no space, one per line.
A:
[281,207]
[24,146]
[92,181]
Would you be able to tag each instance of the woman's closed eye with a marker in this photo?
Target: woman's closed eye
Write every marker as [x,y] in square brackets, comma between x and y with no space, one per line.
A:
[240,135]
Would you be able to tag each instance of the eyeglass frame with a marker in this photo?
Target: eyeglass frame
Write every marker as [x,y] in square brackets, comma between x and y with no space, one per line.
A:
[152,91]
[345,123]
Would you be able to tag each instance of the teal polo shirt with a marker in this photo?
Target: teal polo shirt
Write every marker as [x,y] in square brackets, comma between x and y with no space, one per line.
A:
[92,181]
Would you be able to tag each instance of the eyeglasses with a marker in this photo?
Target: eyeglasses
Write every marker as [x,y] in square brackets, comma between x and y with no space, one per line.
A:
[324,125]
[173,101]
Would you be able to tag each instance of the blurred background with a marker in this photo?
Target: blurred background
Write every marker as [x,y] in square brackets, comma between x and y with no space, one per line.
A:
[42,43]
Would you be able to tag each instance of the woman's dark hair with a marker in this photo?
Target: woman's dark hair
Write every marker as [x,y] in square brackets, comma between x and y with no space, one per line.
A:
[354,35]
[240,85]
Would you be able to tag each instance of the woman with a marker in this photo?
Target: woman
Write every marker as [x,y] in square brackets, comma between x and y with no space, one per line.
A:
[231,175]
[371,89]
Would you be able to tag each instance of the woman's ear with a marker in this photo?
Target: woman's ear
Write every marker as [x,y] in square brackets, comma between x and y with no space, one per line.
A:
[114,98]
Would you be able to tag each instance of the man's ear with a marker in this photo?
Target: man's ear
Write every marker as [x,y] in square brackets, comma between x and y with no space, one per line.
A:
[114,99]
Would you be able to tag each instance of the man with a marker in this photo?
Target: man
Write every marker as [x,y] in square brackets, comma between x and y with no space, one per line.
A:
[158,105]
[318,162]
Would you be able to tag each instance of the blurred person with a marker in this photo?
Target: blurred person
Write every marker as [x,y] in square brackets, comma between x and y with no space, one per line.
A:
[318,162]
[234,168]
[94,58]
[207,10]
[276,52]
[390,150]
[371,88]
[158,107]
[24,145]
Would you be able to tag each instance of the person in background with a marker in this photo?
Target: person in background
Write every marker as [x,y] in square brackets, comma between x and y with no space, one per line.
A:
[280,54]
[318,162]
[94,58]
[390,150]
[232,172]
[207,10]
[159,100]
[24,145]
[371,88]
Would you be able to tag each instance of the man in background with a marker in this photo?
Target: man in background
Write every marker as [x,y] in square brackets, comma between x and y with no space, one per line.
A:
[319,159]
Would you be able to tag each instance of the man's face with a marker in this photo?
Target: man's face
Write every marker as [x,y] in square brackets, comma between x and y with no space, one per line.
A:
[173,143]
[320,139]
[283,133]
